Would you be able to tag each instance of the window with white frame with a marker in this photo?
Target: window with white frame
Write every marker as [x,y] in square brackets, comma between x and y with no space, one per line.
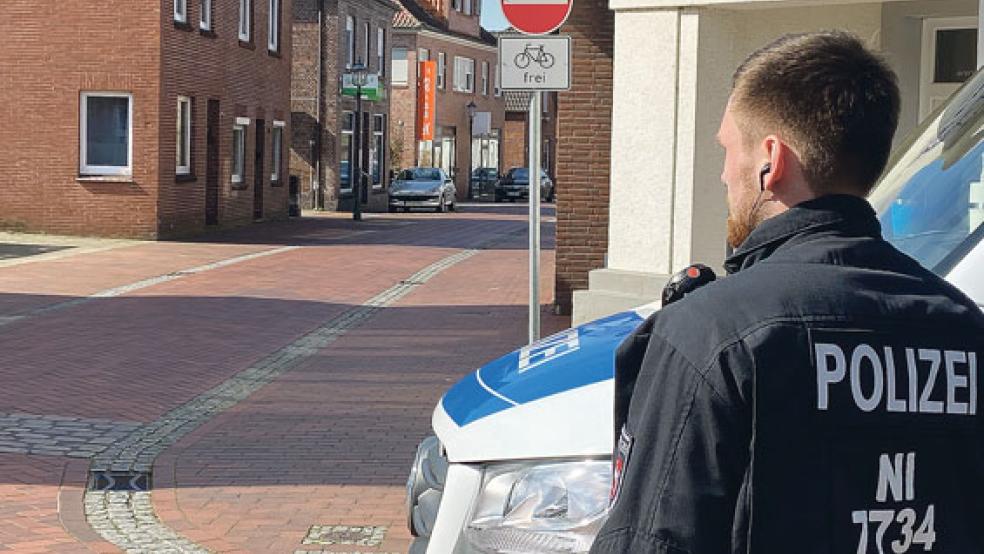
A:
[381,51]
[345,169]
[276,156]
[273,30]
[485,78]
[205,19]
[379,149]
[495,81]
[401,67]
[468,6]
[349,42]
[366,37]
[423,55]
[441,69]
[238,153]
[456,4]
[181,11]
[464,74]
[245,18]
[106,133]
[183,137]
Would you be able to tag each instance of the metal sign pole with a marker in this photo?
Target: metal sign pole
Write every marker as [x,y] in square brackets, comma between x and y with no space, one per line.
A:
[536,115]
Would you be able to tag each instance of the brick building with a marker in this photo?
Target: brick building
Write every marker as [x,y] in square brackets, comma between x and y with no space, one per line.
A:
[330,37]
[143,120]
[584,131]
[516,147]
[448,33]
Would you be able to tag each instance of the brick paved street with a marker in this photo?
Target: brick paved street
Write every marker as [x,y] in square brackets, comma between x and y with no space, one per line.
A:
[276,377]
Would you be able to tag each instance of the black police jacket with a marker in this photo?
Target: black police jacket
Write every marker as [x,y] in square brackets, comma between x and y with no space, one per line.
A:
[824,398]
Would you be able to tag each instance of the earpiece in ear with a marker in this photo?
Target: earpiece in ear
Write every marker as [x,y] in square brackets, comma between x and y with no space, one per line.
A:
[766,169]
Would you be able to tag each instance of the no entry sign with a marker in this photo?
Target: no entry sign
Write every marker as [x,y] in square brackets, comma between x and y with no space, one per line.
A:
[537,17]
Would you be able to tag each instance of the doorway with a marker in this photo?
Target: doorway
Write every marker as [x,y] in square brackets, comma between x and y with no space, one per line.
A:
[212,163]
[258,172]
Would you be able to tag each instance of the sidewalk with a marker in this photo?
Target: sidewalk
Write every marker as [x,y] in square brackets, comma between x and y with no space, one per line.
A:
[327,442]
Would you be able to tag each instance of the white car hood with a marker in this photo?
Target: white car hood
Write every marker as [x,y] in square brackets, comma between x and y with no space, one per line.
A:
[551,399]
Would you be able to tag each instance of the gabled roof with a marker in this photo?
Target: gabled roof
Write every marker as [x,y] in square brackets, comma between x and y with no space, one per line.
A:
[517,100]
[413,16]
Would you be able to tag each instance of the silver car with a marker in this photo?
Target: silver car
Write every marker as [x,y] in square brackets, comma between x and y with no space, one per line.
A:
[422,187]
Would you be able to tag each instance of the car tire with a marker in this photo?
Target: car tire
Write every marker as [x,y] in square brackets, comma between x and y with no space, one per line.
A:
[442,206]
[453,206]
[392,209]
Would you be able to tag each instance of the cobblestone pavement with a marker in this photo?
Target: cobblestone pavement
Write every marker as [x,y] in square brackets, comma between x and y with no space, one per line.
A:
[268,384]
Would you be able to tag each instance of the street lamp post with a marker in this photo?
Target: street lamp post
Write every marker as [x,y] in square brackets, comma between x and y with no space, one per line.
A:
[471,107]
[359,77]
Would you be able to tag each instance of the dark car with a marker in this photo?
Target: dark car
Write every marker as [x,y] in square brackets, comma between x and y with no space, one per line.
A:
[422,187]
[483,181]
[515,185]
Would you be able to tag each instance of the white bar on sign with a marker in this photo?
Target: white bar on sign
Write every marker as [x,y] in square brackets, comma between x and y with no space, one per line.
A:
[528,2]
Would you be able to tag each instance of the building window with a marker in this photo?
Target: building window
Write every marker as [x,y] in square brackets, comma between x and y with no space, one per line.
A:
[106,133]
[378,149]
[485,78]
[441,68]
[238,153]
[423,55]
[365,39]
[381,51]
[464,74]
[276,155]
[345,162]
[183,137]
[245,15]
[401,67]
[495,80]
[273,33]
[349,42]
[456,4]
[205,19]
[181,11]
[468,6]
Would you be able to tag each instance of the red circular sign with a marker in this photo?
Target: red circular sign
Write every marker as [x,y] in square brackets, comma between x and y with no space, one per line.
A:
[537,17]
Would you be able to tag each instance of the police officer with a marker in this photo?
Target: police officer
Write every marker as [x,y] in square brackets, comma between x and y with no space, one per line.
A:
[825,396]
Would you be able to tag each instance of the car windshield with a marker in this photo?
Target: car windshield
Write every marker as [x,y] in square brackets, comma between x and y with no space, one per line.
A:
[931,200]
[519,173]
[421,174]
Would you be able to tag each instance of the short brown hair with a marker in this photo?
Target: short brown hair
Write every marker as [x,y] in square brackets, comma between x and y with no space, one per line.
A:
[832,99]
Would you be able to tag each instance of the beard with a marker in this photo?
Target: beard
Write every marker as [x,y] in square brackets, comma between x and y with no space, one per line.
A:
[743,219]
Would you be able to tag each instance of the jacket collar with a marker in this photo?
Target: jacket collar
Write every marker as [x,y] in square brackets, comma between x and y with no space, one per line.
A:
[850,214]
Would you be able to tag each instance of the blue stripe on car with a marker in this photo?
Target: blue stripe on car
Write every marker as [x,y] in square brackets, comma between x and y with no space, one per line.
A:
[564,369]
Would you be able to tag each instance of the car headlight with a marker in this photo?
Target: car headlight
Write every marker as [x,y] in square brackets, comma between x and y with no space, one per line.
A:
[548,508]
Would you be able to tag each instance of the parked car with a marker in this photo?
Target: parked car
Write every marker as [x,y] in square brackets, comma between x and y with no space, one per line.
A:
[522,453]
[422,187]
[515,185]
[483,181]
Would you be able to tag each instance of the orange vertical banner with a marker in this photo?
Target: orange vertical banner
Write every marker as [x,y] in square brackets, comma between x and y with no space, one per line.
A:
[426,99]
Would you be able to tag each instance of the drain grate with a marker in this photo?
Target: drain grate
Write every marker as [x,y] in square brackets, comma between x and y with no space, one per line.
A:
[119,481]
[358,535]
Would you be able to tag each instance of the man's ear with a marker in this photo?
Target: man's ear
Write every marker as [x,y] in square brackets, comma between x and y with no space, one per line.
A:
[776,154]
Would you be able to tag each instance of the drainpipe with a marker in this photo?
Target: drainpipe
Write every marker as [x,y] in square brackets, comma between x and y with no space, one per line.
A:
[980,34]
[319,196]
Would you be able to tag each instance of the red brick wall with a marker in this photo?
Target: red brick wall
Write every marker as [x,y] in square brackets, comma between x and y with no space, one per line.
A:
[49,52]
[514,152]
[403,106]
[249,81]
[584,150]
[451,104]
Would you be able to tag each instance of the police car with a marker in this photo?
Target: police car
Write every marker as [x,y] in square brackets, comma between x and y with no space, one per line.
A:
[521,461]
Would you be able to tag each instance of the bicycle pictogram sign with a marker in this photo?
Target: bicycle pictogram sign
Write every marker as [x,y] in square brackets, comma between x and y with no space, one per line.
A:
[534,54]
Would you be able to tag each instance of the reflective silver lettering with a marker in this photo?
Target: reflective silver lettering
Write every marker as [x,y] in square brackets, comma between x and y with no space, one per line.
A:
[926,405]
[954,381]
[972,364]
[868,403]
[910,362]
[893,403]
[826,376]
